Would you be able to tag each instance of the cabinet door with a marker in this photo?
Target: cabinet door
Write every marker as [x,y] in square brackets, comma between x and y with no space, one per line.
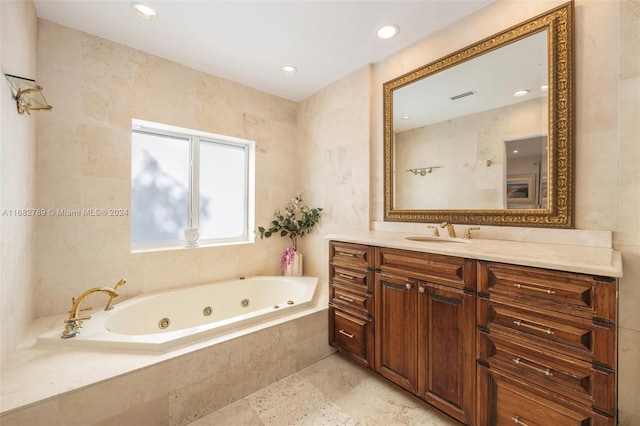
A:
[446,349]
[395,326]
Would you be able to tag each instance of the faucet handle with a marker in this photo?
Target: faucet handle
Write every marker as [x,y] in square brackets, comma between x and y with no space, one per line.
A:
[467,234]
[436,233]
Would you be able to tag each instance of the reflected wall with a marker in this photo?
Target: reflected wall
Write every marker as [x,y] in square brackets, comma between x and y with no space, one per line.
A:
[473,162]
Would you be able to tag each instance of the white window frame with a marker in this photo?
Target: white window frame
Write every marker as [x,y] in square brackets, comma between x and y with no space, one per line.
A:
[195,137]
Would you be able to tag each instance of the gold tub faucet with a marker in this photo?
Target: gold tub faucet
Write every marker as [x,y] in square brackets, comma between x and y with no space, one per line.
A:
[74,323]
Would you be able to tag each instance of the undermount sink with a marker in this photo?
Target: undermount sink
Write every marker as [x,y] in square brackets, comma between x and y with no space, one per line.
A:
[428,239]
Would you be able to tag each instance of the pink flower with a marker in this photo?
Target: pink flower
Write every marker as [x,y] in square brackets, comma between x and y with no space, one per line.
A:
[287,257]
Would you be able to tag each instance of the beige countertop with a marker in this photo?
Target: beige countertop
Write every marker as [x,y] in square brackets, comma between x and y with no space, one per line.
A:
[602,261]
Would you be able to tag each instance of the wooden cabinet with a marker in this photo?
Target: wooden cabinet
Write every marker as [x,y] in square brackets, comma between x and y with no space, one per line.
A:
[485,342]
[351,300]
[425,321]
[546,346]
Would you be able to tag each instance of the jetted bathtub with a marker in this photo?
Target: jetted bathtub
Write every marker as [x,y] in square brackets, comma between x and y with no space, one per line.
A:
[164,320]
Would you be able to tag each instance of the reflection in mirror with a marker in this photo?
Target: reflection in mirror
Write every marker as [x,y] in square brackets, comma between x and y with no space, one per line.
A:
[458,119]
[451,126]
[526,173]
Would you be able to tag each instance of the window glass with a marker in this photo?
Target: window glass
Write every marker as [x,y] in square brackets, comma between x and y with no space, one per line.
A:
[223,183]
[159,187]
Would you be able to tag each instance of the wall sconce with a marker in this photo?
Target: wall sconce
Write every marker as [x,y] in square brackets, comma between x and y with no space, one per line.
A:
[28,94]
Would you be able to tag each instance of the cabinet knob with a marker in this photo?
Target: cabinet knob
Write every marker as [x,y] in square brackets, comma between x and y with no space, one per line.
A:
[421,289]
[408,286]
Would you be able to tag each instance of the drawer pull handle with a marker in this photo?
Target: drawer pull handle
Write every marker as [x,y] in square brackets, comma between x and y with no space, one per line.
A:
[341,253]
[341,331]
[520,323]
[546,372]
[517,421]
[349,277]
[348,299]
[528,287]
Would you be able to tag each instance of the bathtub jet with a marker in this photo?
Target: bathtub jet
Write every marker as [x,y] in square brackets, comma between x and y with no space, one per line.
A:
[165,320]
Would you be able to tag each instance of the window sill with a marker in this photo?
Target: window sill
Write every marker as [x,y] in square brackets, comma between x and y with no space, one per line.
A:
[171,247]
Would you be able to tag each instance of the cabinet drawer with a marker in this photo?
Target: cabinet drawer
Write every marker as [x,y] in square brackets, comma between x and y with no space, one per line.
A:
[355,256]
[352,335]
[569,335]
[581,295]
[356,280]
[513,402]
[560,374]
[446,270]
[345,298]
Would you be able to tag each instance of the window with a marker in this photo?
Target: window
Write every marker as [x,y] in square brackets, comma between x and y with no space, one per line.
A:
[183,178]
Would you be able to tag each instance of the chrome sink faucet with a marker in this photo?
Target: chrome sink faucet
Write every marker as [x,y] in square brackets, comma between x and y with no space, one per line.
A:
[450,229]
[74,323]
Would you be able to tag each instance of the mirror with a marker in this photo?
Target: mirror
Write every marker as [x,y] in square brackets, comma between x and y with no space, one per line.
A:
[460,145]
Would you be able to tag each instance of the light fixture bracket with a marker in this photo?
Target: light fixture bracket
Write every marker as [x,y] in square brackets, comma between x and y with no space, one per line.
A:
[28,94]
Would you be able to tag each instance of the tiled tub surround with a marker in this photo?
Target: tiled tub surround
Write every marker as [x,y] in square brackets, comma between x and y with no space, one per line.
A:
[75,386]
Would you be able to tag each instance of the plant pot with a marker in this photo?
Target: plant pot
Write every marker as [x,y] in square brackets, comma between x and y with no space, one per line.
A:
[294,269]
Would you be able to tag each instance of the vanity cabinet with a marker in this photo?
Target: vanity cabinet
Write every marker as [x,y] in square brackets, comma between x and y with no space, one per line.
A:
[425,318]
[546,347]
[351,300]
[488,343]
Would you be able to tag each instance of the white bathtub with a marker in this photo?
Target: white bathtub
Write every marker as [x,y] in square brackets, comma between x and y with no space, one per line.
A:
[164,320]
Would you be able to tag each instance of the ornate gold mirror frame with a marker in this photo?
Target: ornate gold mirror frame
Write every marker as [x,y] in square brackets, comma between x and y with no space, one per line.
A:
[560,50]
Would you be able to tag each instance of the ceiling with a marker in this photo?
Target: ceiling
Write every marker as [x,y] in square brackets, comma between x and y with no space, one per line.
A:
[488,81]
[249,41]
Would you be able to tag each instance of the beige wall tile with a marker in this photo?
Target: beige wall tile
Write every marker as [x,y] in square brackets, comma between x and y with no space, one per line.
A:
[629,290]
[18,23]
[629,377]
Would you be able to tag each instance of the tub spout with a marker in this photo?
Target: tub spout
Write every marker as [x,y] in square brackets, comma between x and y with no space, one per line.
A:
[74,323]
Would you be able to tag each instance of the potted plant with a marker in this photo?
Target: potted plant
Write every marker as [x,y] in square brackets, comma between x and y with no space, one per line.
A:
[297,220]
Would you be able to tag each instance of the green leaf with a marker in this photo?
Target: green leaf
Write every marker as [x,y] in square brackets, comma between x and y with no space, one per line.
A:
[267,234]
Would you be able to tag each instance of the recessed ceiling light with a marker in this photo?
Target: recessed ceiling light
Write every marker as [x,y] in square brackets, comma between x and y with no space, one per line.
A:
[388,31]
[521,92]
[515,151]
[405,117]
[143,11]
[288,70]
[544,87]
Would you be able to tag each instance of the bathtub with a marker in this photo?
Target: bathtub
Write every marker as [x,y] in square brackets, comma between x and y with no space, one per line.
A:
[165,320]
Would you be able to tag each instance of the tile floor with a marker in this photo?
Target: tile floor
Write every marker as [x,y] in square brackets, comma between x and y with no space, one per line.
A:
[333,391]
